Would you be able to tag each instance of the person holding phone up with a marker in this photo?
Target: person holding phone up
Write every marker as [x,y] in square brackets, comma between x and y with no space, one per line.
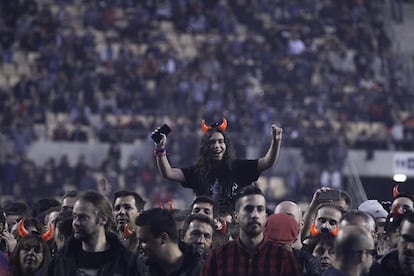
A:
[217,172]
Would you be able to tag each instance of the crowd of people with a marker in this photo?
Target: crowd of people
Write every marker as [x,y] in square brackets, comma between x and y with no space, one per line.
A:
[228,229]
[117,69]
[86,233]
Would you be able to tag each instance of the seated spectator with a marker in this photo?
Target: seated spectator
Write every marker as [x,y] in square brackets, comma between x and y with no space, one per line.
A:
[64,171]
[331,177]
[78,134]
[60,133]
[81,113]
[88,181]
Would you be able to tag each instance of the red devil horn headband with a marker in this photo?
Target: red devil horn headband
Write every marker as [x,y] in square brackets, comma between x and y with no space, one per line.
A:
[127,232]
[221,226]
[221,126]
[314,232]
[395,192]
[22,231]
[49,234]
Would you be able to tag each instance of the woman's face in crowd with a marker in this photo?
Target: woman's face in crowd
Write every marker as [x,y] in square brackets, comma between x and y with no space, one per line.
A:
[325,253]
[217,146]
[31,258]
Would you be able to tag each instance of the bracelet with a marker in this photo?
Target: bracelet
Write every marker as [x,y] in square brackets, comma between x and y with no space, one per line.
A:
[160,152]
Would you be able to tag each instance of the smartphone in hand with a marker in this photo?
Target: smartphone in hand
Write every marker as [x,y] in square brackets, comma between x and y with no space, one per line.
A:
[330,196]
[156,136]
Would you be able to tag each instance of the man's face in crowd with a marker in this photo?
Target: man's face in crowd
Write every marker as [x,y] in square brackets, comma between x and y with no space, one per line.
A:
[361,221]
[86,223]
[327,219]
[405,247]
[200,234]
[150,245]
[251,215]
[204,208]
[217,146]
[52,217]
[368,249]
[125,211]
[68,202]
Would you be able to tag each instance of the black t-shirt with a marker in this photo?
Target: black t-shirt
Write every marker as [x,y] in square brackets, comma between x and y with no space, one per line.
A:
[89,263]
[222,184]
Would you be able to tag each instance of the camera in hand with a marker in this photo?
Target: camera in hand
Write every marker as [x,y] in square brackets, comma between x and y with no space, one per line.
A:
[156,136]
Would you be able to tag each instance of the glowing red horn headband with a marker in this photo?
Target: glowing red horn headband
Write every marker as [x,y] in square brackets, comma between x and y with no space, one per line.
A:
[49,234]
[221,126]
[22,231]
[314,232]
[395,191]
[335,231]
[170,205]
[221,226]
[127,232]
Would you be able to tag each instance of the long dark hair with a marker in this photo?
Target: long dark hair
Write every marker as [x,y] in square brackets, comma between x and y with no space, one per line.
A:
[30,241]
[205,162]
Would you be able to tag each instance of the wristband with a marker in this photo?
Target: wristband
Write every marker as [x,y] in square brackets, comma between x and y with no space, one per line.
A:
[160,152]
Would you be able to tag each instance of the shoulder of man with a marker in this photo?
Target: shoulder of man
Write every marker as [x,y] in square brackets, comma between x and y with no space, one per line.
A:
[309,264]
[387,263]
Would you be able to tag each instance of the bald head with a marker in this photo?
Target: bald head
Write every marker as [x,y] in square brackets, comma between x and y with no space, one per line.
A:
[351,237]
[351,243]
[290,208]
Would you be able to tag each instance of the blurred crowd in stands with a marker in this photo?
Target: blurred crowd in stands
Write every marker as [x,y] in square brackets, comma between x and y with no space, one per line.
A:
[111,71]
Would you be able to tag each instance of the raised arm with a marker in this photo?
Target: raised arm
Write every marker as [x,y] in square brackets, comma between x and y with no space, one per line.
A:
[272,155]
[311,210]
[164,167]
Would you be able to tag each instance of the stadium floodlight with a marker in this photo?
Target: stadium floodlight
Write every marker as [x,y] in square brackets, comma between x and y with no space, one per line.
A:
[399,177]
